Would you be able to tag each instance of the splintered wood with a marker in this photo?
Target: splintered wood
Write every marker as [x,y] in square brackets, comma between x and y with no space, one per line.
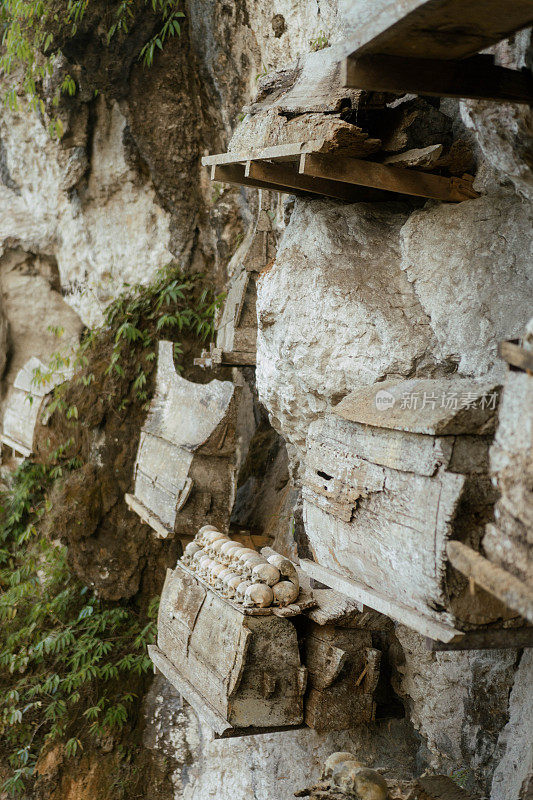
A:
[398,470]
[26,403]
[185,461]
[421,46]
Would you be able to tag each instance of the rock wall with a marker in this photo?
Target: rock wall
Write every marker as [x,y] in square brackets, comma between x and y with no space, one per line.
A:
[358,293]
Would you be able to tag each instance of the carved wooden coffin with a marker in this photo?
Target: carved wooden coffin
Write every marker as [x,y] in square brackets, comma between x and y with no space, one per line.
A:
[185,462]
[398,470]
[26,403]
[240,671]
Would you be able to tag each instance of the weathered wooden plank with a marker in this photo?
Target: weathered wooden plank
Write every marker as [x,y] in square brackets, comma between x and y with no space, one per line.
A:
[15,446]
[510,590]
[490,639]
[434,628]
[439,407]
[288,180]
[135,505]
[421,157]
[440,29]
[391,179]
[290,151]
[477,77]
[410,452]
[516,356]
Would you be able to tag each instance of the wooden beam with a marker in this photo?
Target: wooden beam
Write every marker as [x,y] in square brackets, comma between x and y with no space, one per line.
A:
[15,446]
[433,28]
[280,178]
[135,505]
[502,584]
[516,356]
[488,639]
[385,605]
[391,179]
[477,77]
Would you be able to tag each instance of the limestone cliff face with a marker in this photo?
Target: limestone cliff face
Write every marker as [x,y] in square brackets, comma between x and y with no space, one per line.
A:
[358,293]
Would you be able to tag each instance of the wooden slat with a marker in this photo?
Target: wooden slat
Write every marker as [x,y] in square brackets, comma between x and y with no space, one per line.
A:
[282,152]
[16,446]
[370,597]
[510,590]
[516,356]
[287,179]
[135,505]
[489,639]
[442,29]
[477,77]
[391,179]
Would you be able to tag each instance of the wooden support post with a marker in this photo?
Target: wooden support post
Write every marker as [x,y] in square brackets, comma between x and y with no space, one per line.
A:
[506,587]
[489,639]
[477,77]
[391,179]
[289,180]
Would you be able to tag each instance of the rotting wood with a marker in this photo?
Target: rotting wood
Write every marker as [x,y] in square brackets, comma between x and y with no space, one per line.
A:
[506,587]
[489,639]
[419,158]
[392,179]
[477,77]
[448,29]
[185,461]
[516,356]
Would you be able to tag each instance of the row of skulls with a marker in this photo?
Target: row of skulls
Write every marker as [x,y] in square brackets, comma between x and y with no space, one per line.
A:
[240,573]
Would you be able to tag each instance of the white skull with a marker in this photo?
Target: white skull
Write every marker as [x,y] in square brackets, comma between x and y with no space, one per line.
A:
[359,782]
[204,565]
[259,595]
[285,593]
[251,562]
[285,566]
[231,582]
[214,572]
[334,760]
[228,550]
[241,590]
[190,550]
[219,585]
[197,557]
[200,536]
[213,548]
[265,573]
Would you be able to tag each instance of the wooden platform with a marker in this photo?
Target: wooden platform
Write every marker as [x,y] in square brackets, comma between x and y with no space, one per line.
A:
[430,47]
[302,168]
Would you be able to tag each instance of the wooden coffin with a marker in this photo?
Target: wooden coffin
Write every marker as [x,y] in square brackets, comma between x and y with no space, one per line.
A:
[395,472]
[26,403]
[185,461]
[506,567]
[240,671]
[236,326]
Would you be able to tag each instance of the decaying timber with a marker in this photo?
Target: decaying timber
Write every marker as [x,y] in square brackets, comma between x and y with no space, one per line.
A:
[431,48]
[506,567]
[228,643]
[236,325]
[344,777]
[185,461]
[26,403]
[395,472]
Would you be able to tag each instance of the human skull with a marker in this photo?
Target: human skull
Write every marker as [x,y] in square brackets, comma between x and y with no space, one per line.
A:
[235,558]
[334,760]
[190,550]
[359,782]
[285,593]
[219,583]
[241,591]
[258,594]
[231,582]
[228,551]
[200,536]
[197,557]
[265,573]
[285,566]
[205,564]
[216,547]
[249,564]
[214,572]
[213,536]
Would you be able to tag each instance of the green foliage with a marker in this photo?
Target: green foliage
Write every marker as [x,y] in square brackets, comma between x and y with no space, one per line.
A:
[67,659]
[319,42]
[30,28]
